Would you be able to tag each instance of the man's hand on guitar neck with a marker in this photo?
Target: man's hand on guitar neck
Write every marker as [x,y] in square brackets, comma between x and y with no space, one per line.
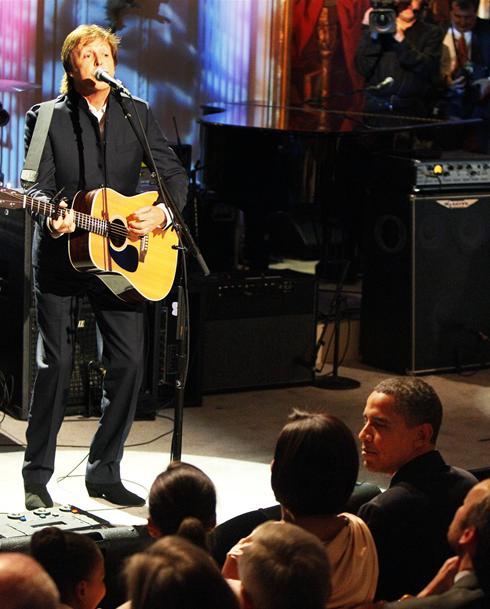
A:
[144,220]
[64,223]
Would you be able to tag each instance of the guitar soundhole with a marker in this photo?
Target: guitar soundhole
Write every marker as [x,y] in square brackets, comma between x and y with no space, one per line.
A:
[118,233]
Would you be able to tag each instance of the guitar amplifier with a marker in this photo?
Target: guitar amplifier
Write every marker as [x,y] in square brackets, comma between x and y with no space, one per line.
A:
[456,170]
[18,353]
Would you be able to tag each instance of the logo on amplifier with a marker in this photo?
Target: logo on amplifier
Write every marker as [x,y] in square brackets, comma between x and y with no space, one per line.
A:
[457,203]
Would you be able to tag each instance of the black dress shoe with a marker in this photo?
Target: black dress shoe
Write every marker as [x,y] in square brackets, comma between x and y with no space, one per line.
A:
[37,496]
[115,493]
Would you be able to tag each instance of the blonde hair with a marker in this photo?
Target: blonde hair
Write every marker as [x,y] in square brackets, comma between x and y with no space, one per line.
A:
[82,35]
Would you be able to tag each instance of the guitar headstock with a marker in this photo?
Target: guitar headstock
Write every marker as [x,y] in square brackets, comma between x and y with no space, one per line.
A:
[11,199]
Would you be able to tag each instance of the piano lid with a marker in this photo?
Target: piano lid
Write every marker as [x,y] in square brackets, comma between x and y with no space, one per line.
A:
[311,119]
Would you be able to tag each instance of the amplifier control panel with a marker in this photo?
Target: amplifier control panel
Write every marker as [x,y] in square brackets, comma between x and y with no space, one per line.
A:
[467,173]
[455,170]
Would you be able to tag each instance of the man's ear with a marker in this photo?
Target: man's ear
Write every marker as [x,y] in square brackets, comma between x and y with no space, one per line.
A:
[467,537]
[424,434]
[80,590]
[153,530]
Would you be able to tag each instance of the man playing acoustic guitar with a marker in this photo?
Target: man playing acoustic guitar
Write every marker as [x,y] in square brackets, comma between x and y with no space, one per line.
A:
[91,145]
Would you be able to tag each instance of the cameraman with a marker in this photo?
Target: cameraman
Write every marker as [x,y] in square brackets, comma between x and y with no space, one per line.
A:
[466,62]
[410,55]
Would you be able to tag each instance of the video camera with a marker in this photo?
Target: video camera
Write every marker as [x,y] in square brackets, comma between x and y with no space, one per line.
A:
[382,19]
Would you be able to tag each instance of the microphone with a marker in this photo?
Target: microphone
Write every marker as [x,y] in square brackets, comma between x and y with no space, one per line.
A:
[101,75]
[387,82]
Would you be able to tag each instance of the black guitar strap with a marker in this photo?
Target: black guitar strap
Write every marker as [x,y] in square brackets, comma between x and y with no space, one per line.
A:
[30,171]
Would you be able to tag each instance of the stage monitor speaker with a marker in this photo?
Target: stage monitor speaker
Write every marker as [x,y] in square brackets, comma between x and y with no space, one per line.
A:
[258,331]
[426,287]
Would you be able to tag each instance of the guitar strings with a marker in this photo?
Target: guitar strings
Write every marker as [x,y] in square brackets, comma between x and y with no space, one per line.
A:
[113,228]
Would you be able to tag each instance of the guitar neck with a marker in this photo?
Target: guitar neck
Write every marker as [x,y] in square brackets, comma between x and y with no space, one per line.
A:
[83,221]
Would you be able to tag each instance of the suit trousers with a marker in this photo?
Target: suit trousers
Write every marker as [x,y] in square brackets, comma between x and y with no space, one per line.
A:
[121,350]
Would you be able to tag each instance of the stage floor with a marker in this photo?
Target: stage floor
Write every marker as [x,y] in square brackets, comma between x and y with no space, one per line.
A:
[232,437]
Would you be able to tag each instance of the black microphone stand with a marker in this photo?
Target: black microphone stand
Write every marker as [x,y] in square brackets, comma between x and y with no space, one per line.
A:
[186,244]
[333,380]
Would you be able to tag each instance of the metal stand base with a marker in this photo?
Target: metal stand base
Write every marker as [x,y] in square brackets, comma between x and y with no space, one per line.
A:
[335,382]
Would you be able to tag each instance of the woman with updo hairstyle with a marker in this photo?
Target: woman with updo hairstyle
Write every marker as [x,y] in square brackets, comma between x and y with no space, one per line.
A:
[313,474]
[315,464]
[182,501]
[75,564]
[175,574]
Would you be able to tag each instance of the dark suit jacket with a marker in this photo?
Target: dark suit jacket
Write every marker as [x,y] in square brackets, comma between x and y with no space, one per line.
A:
[409,522]
[464,594]
[480,43]
[76,157]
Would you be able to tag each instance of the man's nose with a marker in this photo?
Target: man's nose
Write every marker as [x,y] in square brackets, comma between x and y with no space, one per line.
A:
[364,432]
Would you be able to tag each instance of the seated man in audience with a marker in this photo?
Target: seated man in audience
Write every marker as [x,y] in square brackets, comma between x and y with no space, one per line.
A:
[464,580]
[284,567]
[24,584]
[409,520]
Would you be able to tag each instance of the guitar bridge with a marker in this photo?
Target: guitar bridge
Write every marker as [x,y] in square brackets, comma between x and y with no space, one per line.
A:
[144,242]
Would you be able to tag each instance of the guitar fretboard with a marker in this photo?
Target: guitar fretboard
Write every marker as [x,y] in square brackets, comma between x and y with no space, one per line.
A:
[83,221]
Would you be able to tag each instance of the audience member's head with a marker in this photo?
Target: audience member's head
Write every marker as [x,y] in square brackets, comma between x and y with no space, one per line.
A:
[464,14]
[24,584]
[284,567]
[174,573]
[315,465]
[182,500]
[75,564]
[402,418]
[469,532]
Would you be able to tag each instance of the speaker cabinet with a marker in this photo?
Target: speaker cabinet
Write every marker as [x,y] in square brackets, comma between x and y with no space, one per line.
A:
[426,288]
[15,312]
[258,331]
[245,332]
[18,353]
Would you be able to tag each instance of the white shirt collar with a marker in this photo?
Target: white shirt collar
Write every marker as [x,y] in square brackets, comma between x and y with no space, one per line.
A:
[99,114]
[457,35]
[460,574]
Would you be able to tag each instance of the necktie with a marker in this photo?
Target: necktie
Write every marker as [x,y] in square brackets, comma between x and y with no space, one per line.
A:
[462,54]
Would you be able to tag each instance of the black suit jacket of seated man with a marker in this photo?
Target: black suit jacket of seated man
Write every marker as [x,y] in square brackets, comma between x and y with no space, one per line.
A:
[409,522]
[464,594]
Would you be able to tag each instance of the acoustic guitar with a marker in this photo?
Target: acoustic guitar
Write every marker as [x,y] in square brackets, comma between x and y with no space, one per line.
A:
[133,269]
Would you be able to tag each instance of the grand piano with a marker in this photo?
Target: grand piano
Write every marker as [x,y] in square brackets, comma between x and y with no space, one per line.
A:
[407,190]
[304,170]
